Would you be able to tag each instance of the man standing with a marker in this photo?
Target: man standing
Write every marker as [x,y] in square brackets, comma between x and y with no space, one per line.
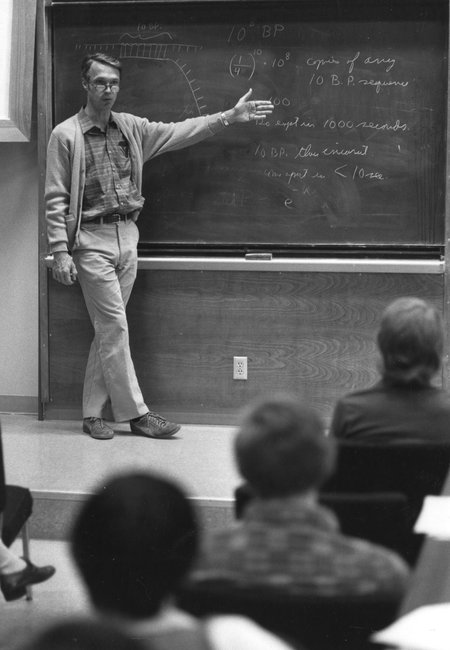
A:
[93,199]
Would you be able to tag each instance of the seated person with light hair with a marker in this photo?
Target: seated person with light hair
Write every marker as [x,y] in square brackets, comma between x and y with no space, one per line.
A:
[404,404]
[285,539]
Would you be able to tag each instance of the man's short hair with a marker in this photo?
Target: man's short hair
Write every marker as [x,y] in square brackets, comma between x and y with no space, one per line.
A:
[133,542]
[101,57]
[281,448]
[411,341]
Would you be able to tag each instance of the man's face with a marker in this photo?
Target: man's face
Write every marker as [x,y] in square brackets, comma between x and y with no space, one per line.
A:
[102,86]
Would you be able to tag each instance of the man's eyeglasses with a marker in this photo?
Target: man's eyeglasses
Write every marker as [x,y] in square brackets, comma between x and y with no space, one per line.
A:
[101,86]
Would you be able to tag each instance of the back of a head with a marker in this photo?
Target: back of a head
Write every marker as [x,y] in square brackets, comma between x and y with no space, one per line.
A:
[133,542]
[281,448]
[411,341]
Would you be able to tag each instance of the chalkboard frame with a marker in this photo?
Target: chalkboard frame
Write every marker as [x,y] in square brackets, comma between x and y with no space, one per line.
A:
[423,244]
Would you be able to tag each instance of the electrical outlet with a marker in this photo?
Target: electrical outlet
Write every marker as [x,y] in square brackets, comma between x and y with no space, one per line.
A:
[239,367]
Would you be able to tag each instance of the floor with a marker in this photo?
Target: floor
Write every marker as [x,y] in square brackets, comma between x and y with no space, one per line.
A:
[61,596]
[56,457]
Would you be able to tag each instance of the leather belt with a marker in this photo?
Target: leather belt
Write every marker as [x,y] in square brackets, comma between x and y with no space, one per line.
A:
[114,217]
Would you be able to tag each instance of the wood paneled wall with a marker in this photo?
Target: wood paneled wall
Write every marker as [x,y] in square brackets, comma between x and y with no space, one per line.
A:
[308,333]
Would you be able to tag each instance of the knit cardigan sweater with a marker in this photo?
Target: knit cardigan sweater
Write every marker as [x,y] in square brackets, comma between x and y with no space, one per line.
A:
[66,168]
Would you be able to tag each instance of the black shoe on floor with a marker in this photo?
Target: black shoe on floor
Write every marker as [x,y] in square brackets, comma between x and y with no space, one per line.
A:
[153,425]
[13,584]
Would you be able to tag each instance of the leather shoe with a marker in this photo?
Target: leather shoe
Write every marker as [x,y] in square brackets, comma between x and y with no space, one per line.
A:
[13,584]
[97,428]
[153,425]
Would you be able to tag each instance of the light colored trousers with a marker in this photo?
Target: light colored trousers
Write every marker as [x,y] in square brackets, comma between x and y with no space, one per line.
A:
[106,261]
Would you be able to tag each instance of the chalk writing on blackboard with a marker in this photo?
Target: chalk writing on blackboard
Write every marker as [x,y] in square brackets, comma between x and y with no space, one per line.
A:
[353,152]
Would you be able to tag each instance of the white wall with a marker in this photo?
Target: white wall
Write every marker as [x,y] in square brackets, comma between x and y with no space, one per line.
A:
[18,274]
[5,56]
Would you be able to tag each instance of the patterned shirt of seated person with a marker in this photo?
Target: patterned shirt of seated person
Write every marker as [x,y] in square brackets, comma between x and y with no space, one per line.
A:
[296,545]
[285,538]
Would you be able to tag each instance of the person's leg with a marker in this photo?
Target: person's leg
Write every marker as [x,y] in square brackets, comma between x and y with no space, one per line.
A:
[149,424]
[17,574]
[9,561]
[106,261]
[95,392]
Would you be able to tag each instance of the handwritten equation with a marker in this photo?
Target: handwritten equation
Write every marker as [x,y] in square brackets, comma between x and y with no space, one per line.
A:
[342,117]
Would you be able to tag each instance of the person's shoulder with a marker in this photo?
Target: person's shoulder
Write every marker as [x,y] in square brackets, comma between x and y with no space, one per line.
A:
[369,567]
[362,394]
[354,406]
[366,552]
[128,118]
[67,126]
[218,539]
[435,404]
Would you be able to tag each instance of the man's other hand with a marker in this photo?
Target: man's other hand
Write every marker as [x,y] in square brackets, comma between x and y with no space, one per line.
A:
[64,269]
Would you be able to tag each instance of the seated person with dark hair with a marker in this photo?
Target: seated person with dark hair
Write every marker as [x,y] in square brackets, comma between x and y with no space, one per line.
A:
[285,539]
[403,405]
[134,542]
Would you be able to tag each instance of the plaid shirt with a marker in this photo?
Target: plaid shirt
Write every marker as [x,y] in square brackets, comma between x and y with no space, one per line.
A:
[109,186]
[295,544]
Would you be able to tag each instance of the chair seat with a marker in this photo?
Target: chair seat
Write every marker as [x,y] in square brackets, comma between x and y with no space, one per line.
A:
[312,622]
[19,506]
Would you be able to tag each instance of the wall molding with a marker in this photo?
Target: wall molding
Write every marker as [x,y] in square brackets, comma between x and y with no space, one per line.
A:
[19,404]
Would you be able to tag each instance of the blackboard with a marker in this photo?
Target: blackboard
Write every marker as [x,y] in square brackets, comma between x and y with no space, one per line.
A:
[354,154]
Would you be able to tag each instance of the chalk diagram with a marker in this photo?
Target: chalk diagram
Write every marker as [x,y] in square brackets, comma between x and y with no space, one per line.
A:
[138,46]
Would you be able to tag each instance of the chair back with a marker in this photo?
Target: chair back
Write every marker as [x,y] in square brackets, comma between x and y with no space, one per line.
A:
[380,517]
[311,622]
[412,468]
